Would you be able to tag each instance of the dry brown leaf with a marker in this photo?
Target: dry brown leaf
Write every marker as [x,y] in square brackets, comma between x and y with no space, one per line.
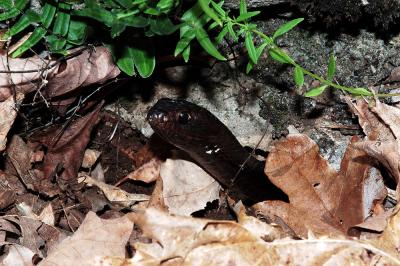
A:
[112,193]
[179,235]
[19,159]
[263,230]
[187,187]
[18,255]
[319,196]
[90,66]
[148,172]
[46,215]
[191,241]
[7,197]
[95,238]
[295,166]
[383,132]
[90,157]
[8,113]
[390,238]
[66,146]
[157,200]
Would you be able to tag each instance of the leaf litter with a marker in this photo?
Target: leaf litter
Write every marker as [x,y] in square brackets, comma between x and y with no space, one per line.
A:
[64,201]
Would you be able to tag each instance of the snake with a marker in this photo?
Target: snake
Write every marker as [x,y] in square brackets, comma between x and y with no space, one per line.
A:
[209,142]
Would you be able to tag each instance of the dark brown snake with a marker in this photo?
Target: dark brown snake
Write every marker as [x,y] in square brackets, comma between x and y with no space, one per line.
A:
[212,145]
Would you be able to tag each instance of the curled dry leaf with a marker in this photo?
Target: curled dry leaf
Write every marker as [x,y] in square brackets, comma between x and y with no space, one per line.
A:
[90,157]
[319,196]
[7,197]
[95,238]
[18,255]
[8,113]
[192,241]
[66,146]
[19,159]
[383,131]
[114,194]
[179,236]
[88,67]
[390,238]
[46,215]
[148,172]
[263,230]
[187,187]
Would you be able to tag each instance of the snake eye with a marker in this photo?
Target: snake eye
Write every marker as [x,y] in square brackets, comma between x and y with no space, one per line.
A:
[183,118]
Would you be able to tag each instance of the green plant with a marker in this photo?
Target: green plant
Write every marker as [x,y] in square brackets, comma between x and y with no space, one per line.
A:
[241,26]
[60,24]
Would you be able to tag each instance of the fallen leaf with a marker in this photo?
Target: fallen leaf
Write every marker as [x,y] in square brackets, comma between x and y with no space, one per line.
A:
[90,157]
[179,235]
[95,238]
[187,187]
[192,241]
[19,158]
[7,197]
[113,193]
[46,216]
[261,229]
[319,196]
[148,172]
[157,200]
[8,113]
[66,146]
[383,132]
[390,238]
[18,255]
[86,68]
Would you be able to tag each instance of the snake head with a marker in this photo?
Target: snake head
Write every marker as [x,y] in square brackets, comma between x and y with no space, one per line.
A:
[184,124]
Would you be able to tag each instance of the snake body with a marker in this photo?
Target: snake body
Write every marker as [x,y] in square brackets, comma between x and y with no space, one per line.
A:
[212,145]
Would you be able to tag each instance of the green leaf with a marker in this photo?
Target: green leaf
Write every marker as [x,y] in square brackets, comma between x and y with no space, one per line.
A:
[204,4]
[60,28]
[221,35]
[229,25]
[135,21]
[152,11]
[77,32]
[331,67]
[24,21]
[35,37]
[126,4]
[251,50]
[46,19]
[246,16]
[95,11]
[125,62]
[162,26]
[242,7]
[186,54]
[280,56]
[286,27]
[361,92]
[298,76]
[218,8]
[117,28]
[15,10]
[316,91]
[144,58]
[48,13]
[165,6]
[259,51]
[208,46]
[6,4]
[184,41]
[61,24]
